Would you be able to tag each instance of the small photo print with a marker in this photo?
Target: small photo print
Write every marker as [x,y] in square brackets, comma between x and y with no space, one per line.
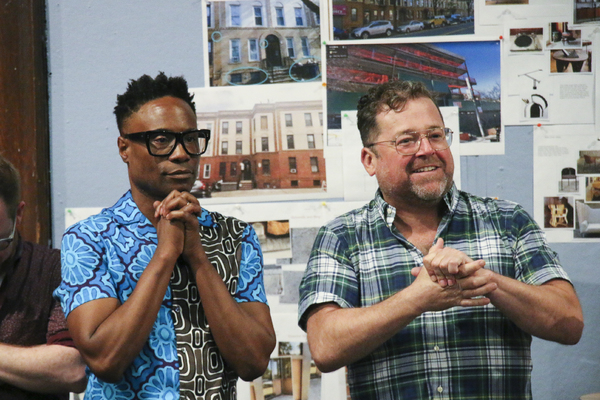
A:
[526,40]
[592,188]
[587,224]
[588,162]
[558,212]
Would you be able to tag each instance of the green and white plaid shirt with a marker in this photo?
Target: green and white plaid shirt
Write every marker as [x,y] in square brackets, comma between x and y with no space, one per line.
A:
[361,259]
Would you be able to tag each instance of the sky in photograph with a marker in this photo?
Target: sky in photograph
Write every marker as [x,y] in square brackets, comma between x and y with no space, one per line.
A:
[482,59]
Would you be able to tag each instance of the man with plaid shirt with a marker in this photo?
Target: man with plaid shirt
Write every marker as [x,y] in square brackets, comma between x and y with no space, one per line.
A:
[427,291]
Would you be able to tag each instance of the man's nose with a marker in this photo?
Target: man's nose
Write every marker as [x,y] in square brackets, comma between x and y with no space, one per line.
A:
[425,147]
[179,153]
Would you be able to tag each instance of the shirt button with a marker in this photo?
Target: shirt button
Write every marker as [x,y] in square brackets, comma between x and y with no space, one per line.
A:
[440,389]
[436,348]
[177,308]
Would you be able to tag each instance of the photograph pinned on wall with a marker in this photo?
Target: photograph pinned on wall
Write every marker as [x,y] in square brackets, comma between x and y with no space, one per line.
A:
[274,238]
[353,20]
[561,36]
[558,212]
[592,188]
[586,12]
[501,12]
[560,193]
[588,162]
[464,74]
[256,43]
[587,223]
[526,40]
[535,107]
[265,145]
[567,61]
[290,374]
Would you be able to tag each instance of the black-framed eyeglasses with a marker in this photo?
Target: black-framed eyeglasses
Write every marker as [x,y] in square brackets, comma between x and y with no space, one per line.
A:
[4,243]
[409,143]
[162,143]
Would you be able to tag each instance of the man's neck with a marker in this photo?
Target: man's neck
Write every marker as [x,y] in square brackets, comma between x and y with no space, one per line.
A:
[418,222]
[145,203]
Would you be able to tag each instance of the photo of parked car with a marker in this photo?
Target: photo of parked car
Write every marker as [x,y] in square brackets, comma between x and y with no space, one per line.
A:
[375,28]
[438,20]
[412,26]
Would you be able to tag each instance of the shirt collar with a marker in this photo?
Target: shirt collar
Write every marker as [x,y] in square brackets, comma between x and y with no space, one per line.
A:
[126,212]
[388,212]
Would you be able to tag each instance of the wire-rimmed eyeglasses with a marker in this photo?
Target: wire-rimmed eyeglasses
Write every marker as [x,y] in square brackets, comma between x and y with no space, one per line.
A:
[4,243]
[162,143]
[408,143]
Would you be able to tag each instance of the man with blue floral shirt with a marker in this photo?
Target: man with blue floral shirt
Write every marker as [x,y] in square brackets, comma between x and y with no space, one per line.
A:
[428,292]
[163,298]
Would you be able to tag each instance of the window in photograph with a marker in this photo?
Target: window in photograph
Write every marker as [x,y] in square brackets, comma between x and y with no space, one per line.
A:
[311,141]
[290,47]
[238,127]
[317,182]
[299,16]
[258,17]
[234,50]
[321,118]
[374,15]
[367,17]
[266,167]
[288,120]
[206,173]
[305,47]
[290,142]
[294,183]
[292,165]
[280,17]
[263,122]
[307,119]
[238,147]
[235,78]
[209,14]
[354,15]
[225,128]
[222,168]
[224,147]
[314,164]
[253,50]
[234,10]
[233,169]
[265,144]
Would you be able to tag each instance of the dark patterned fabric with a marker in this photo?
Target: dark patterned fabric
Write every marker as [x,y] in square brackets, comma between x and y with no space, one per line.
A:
[29,316]
[105,255]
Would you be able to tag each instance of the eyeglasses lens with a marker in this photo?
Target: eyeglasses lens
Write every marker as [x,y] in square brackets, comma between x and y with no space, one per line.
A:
[163,143]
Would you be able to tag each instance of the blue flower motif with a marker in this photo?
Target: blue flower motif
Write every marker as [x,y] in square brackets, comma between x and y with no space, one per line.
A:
[141,261]
[116,391]
[78,260]
[163,385]
[162,342]
[251,265]
[87,294]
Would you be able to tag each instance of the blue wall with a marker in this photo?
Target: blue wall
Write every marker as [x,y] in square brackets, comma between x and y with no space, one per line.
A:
[95,47]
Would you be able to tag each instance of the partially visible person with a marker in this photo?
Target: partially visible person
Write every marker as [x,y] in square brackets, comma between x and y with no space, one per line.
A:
[164,299]
[37,357]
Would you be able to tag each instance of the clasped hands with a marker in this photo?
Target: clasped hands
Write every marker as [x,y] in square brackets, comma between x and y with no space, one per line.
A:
[454,271]
[177,225]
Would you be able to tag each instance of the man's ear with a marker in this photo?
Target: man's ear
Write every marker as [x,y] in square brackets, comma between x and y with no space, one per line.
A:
[19,215]
[123,145]
[369,160]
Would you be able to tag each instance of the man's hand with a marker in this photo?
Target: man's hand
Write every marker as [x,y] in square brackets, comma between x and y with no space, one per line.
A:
[182,209]
[467,292]
[445,264]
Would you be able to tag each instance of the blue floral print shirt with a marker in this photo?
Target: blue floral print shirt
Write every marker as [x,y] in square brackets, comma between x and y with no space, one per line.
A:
[104,257]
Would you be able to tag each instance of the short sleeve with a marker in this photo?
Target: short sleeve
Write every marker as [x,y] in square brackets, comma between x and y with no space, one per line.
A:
[251,285]
[329,276]
[84,270]
[536,263]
